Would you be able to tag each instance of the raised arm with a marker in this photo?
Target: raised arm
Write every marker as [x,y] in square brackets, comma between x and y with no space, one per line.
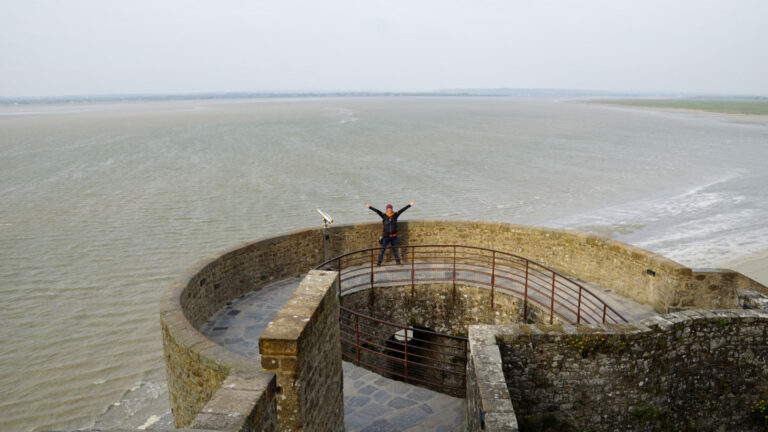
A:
[374,209]
[406,207]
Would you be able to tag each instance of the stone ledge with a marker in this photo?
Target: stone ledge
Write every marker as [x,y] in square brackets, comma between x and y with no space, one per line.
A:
[242,397]
[489,406]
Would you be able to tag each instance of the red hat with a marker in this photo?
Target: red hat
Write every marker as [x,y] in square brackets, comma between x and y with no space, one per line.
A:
[389,206]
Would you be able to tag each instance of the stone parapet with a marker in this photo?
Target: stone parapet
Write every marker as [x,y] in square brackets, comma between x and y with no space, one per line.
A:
[692,370]
[244,403]
[302,347]
[489,407]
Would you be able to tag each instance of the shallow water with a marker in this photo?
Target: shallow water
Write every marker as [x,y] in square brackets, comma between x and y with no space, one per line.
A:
[103,205]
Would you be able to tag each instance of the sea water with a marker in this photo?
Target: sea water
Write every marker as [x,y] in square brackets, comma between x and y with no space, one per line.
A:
[104,204]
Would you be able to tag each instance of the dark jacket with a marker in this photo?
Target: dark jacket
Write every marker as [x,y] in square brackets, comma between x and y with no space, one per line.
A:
[390,222]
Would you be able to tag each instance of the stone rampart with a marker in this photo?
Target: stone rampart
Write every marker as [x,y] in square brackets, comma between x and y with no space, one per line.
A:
[196,367]
[643,276]
[693,370]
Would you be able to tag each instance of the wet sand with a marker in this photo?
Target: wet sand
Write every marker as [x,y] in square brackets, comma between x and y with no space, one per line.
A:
[755,267]
[729,117]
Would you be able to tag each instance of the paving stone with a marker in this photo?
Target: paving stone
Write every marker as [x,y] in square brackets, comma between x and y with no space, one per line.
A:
[375,410]
[357,422]
[409,418]
[367,390]
[356,401]
[426,408]
[399,387]
[381,396]
[421,394]
[380,425]
[400,403]
[357,373]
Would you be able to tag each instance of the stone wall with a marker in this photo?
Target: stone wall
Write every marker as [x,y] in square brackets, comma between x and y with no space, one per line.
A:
[693,370]
[489,407]
[244,403]
[435,307]
[635,273]
[302,347]
[196,367]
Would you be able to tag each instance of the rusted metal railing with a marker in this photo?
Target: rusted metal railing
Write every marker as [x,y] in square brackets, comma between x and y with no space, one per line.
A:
[498,271]
[435,360]
[411,354]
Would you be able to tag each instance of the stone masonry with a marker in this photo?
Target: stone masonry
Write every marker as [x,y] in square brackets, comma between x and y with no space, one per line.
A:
[302,347]
[694,370]
[196,367]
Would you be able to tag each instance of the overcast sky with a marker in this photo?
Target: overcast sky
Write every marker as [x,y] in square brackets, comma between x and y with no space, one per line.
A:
[86,47]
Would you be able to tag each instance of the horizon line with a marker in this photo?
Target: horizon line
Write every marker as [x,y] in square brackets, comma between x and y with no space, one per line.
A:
[480,91]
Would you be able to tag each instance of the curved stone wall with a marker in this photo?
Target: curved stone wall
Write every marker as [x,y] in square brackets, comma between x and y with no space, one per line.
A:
[196,366]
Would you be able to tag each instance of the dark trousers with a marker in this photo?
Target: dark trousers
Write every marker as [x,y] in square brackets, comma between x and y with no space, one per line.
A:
[389,241]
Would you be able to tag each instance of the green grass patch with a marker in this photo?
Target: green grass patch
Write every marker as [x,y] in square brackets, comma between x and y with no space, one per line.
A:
[757,106]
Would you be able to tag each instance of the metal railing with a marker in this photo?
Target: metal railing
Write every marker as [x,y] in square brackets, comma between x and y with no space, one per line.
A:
[498,271]
[411,354]
[436,360]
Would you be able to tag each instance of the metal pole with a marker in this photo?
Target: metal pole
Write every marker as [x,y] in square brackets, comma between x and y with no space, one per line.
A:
[454,273]
[339,264]
[525,296]
[578,309]
[371,268]
[552,301]
[357,342]
[464,377]
[605,307]
[405,365]
[326,240]
[413,271]
[493,276]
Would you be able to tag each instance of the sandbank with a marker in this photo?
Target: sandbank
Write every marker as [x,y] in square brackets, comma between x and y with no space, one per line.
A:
[755,267]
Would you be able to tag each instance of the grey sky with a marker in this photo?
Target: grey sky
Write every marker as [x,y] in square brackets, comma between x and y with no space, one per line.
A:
[106,47]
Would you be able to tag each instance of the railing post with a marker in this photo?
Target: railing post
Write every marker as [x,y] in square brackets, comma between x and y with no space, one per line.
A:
[493,277]
[464,377]
[413,271]
[454,273]
[578,308]
[605,307]
[371,268]
[357,341]
[339,264]
[552,301]
[405,345]
[525,296]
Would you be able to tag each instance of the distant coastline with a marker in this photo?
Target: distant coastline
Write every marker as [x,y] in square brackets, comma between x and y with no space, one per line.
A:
[605,97]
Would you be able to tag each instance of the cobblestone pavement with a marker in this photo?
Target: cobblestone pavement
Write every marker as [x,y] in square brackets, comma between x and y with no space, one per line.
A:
[371,402]
[237,326]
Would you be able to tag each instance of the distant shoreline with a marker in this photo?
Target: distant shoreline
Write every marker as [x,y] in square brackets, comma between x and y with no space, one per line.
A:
[746,110]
